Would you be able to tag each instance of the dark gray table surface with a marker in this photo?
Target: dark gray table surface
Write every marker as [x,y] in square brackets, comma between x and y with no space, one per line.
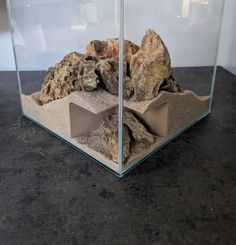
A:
[184,194]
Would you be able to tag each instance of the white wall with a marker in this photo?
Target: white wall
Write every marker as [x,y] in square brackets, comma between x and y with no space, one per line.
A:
[227,50]
[180,21]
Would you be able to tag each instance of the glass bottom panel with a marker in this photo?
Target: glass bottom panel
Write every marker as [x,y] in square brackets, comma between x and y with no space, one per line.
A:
[157,148]
[76,118]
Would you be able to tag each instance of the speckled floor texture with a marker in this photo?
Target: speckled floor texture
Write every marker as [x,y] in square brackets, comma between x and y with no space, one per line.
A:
[184,194]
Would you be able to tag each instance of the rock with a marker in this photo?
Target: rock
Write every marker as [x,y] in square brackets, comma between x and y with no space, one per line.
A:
[58,83]
[109,129]
[105,138]
[150,66]
[87,76]
[108,72]
[139,132]
[61,79]
[130,49]
[147,70]
[110,49]
[103,49]
[171,85]
[73,73]
[52,90]
[128,88]
[71,59]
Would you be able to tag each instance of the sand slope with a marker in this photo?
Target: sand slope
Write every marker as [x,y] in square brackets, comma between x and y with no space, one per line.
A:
[168,113]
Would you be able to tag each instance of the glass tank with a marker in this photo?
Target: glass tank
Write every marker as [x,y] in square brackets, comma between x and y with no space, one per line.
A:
[116,79]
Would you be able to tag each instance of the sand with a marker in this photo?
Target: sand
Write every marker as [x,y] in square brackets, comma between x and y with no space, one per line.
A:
[165,116]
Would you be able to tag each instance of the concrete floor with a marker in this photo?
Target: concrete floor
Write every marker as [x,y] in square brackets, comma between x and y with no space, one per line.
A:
[184,194]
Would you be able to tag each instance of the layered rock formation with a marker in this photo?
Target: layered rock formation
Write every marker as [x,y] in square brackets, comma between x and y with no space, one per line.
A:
[107,136]
[85,72]
[147,70]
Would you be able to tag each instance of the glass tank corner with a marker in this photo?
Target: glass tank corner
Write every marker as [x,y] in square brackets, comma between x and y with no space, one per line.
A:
[118,79]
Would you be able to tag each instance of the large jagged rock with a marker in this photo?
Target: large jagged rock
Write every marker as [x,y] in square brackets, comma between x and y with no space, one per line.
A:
[105,138]
[139,132]
[150,66]
[110,49]
[61,79]
[71,74]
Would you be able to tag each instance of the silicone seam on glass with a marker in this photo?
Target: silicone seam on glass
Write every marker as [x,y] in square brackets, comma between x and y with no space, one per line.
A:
[121,73]
[14,51]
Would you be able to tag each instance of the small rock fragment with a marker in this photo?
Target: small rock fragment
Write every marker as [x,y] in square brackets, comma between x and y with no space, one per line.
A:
[171,85]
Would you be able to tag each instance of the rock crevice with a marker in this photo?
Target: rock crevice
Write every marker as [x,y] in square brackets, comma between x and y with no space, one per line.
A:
[105,138]
[147,70]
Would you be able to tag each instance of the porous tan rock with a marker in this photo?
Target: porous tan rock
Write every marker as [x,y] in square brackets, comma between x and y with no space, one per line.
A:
[53,90]
[150,66]
[130,49]
[61,79]
[73,73]
[110,49]
[71,59]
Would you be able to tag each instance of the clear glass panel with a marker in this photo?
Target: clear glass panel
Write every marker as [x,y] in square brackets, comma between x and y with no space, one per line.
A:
[75,78]
[172,70]
[69,71]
